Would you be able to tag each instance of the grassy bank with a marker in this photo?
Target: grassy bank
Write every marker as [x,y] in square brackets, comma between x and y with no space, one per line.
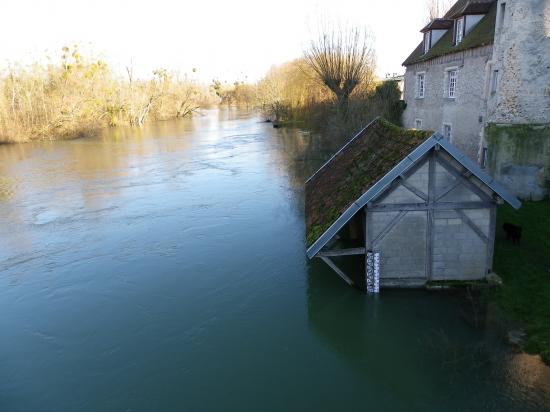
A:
[525,294]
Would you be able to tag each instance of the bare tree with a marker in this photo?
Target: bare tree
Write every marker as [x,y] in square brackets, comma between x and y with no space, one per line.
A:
[342,58]
[437,8]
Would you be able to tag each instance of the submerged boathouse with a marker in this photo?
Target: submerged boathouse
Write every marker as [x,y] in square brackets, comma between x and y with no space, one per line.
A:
[412,198]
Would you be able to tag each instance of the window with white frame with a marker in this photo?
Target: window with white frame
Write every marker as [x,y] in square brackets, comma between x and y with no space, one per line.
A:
[418,124]
[426,42]
[452,76]
[459,30]
[447,131]
[420,85]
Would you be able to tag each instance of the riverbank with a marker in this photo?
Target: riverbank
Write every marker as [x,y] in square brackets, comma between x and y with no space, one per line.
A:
[74,94]
[525,270]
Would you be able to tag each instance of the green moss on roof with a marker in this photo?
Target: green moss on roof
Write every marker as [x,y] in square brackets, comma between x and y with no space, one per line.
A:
[351,172]
[482,34]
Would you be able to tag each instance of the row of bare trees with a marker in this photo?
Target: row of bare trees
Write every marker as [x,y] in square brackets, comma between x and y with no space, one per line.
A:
[333,86]
[78,95]
[437,8]
[335,80]
[343,59]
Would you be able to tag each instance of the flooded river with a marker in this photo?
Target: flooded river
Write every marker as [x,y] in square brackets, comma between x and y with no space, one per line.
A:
[164,268]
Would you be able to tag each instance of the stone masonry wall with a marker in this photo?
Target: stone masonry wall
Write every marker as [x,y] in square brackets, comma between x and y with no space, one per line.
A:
[522,58]
[403,250]
[459,253]
[519,158]
[465,113]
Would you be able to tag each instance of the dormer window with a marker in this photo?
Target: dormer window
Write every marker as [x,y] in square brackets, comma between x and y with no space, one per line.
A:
[427,41]
[433,32]
[459,30]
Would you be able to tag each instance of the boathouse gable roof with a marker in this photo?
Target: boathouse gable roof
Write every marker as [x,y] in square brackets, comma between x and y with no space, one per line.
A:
[357,166]
[364,168]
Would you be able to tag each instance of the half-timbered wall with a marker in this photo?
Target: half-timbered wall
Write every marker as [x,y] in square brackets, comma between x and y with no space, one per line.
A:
[435,222]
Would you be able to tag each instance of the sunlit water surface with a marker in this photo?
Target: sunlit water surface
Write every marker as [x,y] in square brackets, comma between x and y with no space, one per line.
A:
[165,269]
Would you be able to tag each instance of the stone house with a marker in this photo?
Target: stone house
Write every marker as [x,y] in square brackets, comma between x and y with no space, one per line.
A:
[481,77]
[409,196]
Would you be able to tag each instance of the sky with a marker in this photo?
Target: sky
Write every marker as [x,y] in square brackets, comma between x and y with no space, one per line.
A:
[227,40]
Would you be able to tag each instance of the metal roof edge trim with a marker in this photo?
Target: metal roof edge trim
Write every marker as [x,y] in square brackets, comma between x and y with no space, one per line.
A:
[480,174]
[374,190]
[359,133]
[332,230]
[396,171]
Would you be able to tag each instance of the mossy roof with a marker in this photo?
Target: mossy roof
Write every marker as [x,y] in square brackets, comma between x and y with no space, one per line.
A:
[481,35]
[365,159]
[462,7]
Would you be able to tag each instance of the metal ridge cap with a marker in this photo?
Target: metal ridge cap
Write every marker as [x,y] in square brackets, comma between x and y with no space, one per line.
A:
[382,183]
[343,147]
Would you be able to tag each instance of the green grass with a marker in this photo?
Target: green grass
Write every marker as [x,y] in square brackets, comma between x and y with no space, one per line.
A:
[525,293]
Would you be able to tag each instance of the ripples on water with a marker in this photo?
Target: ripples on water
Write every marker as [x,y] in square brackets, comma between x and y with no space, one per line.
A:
[164,268]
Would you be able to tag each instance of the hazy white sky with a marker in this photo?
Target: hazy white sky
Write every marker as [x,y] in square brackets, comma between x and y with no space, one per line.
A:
[224,39]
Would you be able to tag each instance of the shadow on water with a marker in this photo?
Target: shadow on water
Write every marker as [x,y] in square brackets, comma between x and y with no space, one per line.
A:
[416,346]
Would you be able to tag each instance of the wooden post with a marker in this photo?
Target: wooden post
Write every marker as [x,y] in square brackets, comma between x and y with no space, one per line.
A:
[491,240]
[342,252]
[468,222]
[430,216]
[337,270]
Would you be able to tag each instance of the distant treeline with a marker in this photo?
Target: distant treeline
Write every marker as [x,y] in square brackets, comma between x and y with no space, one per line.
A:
[293,93]
[75,96]
[331,88]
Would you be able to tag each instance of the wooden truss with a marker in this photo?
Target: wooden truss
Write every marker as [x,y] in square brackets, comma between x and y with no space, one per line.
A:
[431,203]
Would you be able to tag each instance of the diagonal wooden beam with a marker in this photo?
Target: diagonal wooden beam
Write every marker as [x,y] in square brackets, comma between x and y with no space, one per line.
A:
[448,189]
[389,227]
[337,270]
[414,190]
[460,176]
[472,225]
[430,216]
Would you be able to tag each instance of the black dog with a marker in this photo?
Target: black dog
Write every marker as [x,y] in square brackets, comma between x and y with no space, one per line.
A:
[513,232]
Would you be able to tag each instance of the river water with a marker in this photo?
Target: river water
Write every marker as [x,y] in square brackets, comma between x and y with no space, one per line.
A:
[164,268]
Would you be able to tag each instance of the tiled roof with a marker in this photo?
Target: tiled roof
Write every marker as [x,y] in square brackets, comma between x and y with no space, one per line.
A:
[481,35]
[371,154]
[438,24]
[462,7]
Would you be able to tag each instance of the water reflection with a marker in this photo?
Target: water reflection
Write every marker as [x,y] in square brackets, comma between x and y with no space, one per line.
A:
[164,268]
[416,345]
